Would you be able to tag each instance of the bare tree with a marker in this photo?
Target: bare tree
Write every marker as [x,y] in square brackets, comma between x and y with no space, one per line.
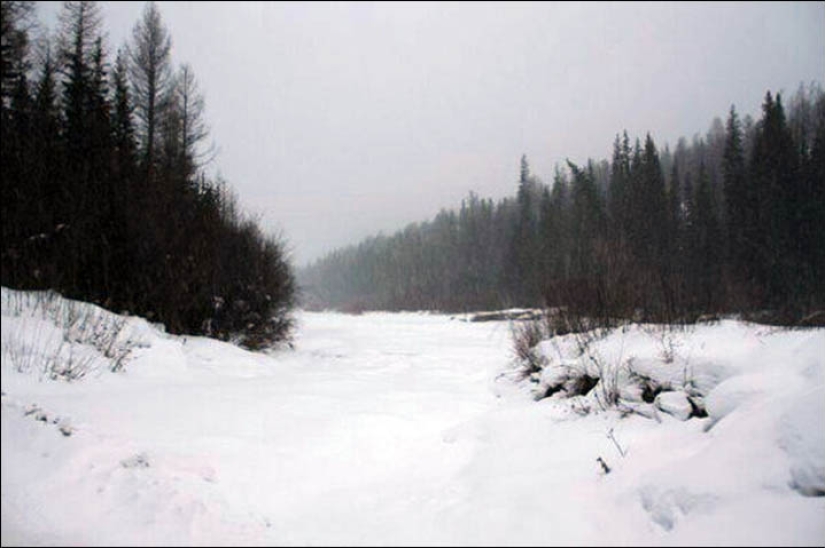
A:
[194,131]
[16,20]
[80,27]
[151,77]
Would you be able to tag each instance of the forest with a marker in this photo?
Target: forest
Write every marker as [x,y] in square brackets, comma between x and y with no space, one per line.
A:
[104,194]
[105,198]
[727,223]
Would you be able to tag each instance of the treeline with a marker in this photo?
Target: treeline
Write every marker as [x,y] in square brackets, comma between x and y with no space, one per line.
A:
[730,222]
[104,195]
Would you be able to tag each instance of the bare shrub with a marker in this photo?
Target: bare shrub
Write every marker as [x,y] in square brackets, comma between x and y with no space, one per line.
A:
[526,335]
[607,394]
[87,339]
[72,367]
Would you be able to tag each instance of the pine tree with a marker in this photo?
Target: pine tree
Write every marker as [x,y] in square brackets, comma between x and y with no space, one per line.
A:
[815,226]
[674,212]
[806,122]
[618,191]
[739,199]
[586,221]
[774,173]
[650,206]
[19,202]
[523,279]
[707,250]
[547,239]
[15,22]
[80,29]
[123,131]
[15,149]
[50,159]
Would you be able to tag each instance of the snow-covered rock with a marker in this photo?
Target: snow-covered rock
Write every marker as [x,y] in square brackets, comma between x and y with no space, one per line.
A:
[570,380]
[674,403]
[647,410]
[629,392]
[555,376]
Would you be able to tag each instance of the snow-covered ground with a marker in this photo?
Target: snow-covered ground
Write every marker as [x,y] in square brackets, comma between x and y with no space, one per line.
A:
[403,429]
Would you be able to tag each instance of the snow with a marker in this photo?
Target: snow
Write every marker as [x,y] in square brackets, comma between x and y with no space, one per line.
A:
[674,403]
[405,429]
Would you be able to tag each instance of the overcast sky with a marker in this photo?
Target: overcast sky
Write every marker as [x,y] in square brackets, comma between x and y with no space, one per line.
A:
[336,121]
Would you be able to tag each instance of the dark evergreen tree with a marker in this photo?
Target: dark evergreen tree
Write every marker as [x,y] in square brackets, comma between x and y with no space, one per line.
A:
[739,198]
[706,249]
[674,212]
[814,225]
[618,191]
[50,165]
[80,217]
[650,208]
[16,19]
[586,220]
[774,174]
[19,236]
[16,143]
[522,283]
[806,121]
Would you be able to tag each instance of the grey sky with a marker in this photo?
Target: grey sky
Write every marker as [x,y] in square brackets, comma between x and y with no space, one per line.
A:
[335,121]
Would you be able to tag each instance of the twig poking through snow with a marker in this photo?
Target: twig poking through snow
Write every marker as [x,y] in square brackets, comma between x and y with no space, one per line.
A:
[616,443]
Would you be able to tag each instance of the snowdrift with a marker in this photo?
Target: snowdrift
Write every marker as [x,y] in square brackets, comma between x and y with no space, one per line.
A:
[406,429]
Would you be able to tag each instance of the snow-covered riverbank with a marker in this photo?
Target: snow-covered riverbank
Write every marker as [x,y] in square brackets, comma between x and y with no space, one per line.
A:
[391,429]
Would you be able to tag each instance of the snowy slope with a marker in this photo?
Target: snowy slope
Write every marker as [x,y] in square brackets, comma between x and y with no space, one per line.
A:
[400,429]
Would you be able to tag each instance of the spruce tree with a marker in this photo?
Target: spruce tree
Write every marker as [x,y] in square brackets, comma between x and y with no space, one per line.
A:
[522,281]
[50,163]
[815,218]
[739,199]
[774,174]
[16,19]
[618,190]
[707,250]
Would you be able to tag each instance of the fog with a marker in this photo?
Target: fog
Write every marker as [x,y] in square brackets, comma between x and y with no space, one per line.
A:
[335,121]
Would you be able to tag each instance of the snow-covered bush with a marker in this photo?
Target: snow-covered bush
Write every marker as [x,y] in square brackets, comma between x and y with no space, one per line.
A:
[60,338]
[637,369]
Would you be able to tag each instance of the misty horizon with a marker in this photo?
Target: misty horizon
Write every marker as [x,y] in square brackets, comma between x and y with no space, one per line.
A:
[334,122]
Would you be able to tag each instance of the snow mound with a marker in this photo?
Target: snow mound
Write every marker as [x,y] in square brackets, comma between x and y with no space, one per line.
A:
[676,404]
[755,398]
[54,338]
[803,438]
[684,372]
[410,429]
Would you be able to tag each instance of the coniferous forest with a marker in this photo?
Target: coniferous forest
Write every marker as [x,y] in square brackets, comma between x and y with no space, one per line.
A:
[105,198]
[732,222]
[104,192]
